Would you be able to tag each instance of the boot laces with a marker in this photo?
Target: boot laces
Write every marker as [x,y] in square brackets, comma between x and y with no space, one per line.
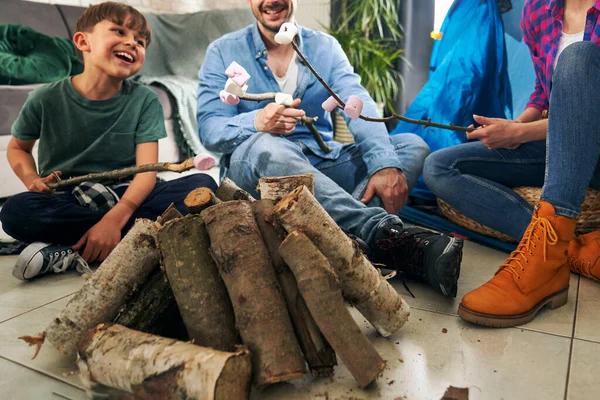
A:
[539,230]
[581,266]
[406,251]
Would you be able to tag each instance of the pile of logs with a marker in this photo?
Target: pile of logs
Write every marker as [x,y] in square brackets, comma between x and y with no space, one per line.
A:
[249,291]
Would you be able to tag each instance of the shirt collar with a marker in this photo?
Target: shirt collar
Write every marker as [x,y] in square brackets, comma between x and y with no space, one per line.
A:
[556,7]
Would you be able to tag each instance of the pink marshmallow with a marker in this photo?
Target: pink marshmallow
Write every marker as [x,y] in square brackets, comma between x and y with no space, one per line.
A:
[354,107]
[330,104]
[238,74]
[203,162]
[229,98]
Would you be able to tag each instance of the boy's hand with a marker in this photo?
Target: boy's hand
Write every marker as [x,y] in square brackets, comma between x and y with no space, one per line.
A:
[40,184]
[99,240]
[278,119]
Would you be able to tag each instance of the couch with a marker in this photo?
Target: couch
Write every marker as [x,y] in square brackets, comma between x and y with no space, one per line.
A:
[198,29]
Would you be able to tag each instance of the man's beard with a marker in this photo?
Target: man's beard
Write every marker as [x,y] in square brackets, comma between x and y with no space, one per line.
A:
[289,18]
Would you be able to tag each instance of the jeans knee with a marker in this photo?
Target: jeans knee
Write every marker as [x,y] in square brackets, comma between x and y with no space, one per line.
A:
[11,213]
[434,170]
[200,180]
[578,61]
[412,142]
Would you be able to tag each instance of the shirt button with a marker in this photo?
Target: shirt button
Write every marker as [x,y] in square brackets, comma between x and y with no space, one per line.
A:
[265,68]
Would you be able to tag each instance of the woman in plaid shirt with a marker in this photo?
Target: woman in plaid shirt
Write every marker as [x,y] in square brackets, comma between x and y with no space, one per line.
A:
[561,153]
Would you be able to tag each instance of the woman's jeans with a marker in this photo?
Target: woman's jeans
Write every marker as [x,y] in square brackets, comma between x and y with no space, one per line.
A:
[477,181]
[339,183]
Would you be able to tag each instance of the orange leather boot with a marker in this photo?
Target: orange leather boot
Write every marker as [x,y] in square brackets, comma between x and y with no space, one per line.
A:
[584,255]
[534,275]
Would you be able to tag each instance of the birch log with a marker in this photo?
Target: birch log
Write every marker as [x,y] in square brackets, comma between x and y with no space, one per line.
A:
[228,191]
[260,312]
[152,367]
[319,355]
[198,288]
[321,289]
[277,187]
[101,297]
[362,284]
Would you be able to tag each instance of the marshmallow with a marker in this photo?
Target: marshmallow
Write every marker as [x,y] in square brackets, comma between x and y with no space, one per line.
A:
[229,98]
[202,162]
[330,104]
[234,88]
[286,33]
[354,107]
[284,99]
[238,74]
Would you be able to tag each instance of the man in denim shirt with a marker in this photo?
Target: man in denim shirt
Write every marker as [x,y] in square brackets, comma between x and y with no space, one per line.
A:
[362,185]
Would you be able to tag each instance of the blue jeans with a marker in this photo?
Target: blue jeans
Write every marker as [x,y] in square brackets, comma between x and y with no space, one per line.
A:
[60,219]
[339,183]
[477,181]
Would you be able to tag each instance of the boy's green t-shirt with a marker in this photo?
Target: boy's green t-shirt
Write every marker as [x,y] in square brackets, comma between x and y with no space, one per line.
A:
[79,136]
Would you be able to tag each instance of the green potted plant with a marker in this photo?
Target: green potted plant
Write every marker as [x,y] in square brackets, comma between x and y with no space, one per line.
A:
[369,31]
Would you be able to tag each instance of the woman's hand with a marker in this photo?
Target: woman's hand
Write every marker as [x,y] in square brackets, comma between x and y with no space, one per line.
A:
[497,133]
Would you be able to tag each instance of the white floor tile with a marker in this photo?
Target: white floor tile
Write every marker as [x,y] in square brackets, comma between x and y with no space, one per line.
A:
[588,325]
[584,381]
[422,362]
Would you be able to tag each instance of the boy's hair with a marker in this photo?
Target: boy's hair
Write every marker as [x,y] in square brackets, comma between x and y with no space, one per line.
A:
[117,13]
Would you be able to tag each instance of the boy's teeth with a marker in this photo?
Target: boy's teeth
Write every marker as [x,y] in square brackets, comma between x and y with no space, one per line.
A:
[127,56]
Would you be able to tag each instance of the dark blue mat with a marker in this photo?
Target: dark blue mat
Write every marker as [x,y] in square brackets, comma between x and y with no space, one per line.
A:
[427,220]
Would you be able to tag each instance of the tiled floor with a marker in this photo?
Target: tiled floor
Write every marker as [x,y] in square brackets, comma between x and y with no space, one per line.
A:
[557,356]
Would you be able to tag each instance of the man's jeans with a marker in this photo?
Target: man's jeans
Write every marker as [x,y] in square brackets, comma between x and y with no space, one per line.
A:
[60,219]
[339,183]
[477,181]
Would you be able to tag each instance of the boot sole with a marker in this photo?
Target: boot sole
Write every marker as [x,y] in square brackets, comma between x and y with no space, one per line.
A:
[447,266]
[553,301]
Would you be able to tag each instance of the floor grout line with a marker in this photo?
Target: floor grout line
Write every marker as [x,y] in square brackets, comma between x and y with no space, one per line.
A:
[572,339]
[35,308]
[42,372]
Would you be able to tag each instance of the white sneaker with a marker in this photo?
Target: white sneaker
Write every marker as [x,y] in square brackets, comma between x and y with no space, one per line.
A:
[39,258]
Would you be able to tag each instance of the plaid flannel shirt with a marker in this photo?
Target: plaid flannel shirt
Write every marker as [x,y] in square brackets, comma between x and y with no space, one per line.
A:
[541,21]
[97,196]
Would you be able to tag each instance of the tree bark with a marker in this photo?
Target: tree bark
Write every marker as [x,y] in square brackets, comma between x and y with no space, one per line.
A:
[260,311]
[170,214]
[277,187]
[321,289]
[101,297]
[152,309]
[200,199]
[152,367]
[318,353]
[362,284]
[198,288]
[228,191]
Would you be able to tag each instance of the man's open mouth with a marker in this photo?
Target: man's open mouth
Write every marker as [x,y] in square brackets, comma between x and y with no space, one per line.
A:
[125,56]
[274,9]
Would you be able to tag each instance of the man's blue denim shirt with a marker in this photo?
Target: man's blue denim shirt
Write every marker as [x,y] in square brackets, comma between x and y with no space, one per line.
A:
[223,127]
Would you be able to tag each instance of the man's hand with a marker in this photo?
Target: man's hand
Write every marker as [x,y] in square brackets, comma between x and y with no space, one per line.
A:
[278,119]
[497,133]
[391,186]
[99,240]
[40,184]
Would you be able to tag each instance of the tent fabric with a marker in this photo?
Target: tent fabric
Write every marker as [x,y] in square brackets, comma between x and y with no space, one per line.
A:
[468,75]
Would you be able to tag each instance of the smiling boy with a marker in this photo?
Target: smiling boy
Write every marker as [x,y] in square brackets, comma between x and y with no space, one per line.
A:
[93,122]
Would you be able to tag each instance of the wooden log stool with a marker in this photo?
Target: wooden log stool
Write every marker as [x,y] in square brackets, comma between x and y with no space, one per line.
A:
[589,218]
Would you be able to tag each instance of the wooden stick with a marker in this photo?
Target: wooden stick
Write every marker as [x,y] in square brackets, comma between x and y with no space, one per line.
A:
[199,199]
[319,355]
[260,312]
[228,190]
[198,288]
[321,289]
[362,284]
[101,297]
[277,187]
[125,172]
[152,367]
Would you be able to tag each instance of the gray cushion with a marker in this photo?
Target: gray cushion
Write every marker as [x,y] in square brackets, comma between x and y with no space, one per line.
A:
[71,14]
[11,101]
[44,18]
[179,41]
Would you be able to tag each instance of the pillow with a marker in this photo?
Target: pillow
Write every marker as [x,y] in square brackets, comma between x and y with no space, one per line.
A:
[27,56]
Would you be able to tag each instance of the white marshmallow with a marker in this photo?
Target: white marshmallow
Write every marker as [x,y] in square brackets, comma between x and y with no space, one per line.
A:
[284,99]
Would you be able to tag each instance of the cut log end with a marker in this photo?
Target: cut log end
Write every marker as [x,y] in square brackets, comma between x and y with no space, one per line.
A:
[228,383]
[200,199]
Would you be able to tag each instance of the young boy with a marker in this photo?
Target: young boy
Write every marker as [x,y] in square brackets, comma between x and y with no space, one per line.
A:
[93,122]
